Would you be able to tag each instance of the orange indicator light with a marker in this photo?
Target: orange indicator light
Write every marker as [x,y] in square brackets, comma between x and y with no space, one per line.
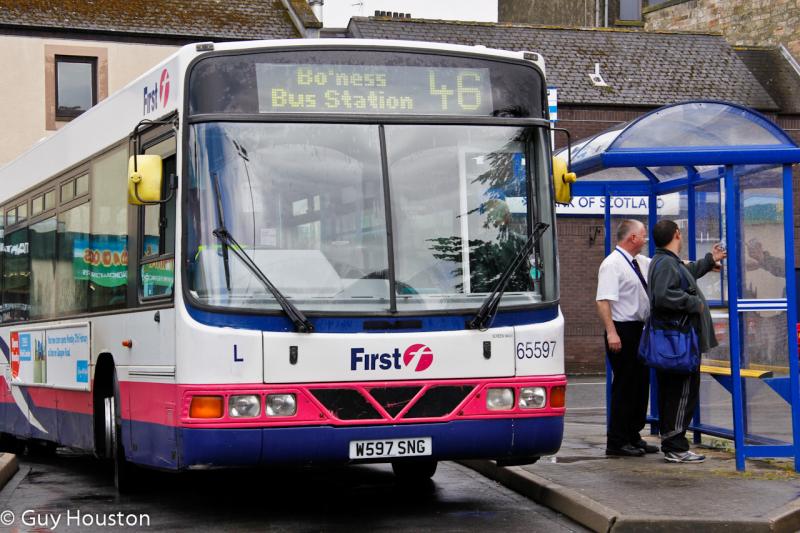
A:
[558,396]
[206,407]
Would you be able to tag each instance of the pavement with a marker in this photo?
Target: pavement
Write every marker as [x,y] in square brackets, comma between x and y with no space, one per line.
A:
[614,494]
[8,467]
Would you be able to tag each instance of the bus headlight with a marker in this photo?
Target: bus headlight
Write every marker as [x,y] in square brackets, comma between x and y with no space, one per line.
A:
[499,399]
[244,406]
[532,397]
[281,405]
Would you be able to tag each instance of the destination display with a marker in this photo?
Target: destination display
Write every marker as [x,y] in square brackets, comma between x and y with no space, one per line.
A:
[373,89]
[364,82]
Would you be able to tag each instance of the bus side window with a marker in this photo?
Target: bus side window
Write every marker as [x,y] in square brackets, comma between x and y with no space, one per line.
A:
[157,253]
[16,276]
[108,272]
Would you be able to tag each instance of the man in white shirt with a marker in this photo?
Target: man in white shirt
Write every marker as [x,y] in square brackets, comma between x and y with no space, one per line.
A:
[623,306]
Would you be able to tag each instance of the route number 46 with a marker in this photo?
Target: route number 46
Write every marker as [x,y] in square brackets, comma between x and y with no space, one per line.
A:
[468,98]
[536,349]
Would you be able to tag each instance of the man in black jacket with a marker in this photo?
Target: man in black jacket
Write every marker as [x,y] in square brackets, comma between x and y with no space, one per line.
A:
[674,296]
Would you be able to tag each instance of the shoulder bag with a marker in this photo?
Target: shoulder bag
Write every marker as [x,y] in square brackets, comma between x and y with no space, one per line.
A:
[670,345]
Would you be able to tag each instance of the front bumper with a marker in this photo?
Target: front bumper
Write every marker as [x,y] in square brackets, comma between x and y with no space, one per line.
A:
[506,438]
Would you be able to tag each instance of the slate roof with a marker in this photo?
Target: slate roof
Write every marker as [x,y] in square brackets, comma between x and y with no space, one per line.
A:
[641,68]
[197,19]
[775,72]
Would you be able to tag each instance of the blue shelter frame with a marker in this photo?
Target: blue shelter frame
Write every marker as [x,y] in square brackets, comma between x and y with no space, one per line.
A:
[744,161]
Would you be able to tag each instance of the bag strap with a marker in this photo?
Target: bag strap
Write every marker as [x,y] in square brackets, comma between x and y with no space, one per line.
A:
[684,282]
[635,271]
[681,268]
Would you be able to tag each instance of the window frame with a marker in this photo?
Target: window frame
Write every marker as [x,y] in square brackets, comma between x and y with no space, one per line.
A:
[54,183]
[149,139]
[63,58]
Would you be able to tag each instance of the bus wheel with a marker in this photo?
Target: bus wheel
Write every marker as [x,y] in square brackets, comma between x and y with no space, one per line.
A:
[11,444]
[126,475]
[414,471]
[42,448]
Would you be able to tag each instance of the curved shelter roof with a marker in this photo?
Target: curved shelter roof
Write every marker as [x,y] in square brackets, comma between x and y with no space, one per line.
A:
[678,141]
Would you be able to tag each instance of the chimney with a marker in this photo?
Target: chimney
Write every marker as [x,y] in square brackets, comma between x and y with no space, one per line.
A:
[392,14]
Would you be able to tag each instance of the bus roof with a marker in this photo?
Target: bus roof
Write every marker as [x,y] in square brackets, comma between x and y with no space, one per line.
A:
[159,92]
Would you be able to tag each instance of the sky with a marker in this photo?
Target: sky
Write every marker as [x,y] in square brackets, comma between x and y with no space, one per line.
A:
[337,13]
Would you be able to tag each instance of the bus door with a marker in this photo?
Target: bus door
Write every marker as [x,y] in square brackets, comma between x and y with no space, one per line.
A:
[152,357]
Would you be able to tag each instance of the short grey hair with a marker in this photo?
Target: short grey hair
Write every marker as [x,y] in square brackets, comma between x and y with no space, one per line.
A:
[626,227]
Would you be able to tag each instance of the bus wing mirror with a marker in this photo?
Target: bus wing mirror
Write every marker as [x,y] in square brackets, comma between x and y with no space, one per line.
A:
[145,177]
[562,181]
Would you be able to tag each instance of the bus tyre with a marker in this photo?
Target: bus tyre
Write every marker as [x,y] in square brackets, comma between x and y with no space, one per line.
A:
[414,471]
[11,444]
[126,475]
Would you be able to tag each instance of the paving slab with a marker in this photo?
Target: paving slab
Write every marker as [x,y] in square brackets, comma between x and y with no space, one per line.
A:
[615,494]
[8,467]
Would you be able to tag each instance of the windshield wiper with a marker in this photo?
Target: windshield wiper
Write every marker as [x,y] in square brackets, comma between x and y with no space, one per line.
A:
[301,322]
[221,216]
[489,306]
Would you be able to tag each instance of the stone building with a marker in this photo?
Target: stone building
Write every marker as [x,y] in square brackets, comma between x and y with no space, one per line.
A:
[643,71]
[59,58]
[583,13]
[748,23]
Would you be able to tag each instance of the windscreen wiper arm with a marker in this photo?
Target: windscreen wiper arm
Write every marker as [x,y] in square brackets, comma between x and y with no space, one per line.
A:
[221,216]
[301,322]
[489,307]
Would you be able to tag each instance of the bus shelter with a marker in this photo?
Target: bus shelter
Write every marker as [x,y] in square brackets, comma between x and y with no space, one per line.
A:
[722,172]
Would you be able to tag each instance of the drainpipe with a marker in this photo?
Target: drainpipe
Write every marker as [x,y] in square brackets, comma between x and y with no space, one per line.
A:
[316,8]
[596,13]
[605,24]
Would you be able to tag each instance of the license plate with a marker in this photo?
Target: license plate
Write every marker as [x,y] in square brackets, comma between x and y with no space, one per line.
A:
[370,449]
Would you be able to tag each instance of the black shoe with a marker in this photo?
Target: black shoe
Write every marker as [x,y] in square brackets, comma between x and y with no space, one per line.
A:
[625,451]
[648,448]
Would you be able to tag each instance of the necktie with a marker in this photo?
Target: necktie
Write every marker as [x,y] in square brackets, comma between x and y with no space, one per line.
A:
[639,273]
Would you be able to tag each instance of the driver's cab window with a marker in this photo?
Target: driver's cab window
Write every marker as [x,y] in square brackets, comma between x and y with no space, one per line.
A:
[157,235]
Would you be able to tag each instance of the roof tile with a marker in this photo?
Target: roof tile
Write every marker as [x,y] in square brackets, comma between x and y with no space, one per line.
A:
[641,68]
[214,19]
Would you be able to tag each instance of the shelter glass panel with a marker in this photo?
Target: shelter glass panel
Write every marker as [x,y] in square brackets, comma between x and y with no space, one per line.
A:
[762,262]
[707,232]
[675,206]
[597,144]
[719,355]
[668,173]
[765,347]
[615,174]
[765,341]
[715,403]
[699,124]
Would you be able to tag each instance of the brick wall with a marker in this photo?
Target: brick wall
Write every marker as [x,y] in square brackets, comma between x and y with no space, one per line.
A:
[580,245]
[743,22]
[581,250]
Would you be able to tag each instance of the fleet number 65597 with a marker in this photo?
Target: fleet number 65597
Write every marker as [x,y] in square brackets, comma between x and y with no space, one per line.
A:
[536,349]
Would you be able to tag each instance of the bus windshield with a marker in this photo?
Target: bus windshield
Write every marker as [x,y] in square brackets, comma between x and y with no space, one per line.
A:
[340,216]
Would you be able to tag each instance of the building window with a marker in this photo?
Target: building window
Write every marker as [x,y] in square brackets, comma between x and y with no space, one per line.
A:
[630,9]
[76,85]
[76,78]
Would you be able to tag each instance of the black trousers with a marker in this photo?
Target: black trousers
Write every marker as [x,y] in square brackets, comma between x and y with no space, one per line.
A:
[630,387]
[677,399]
